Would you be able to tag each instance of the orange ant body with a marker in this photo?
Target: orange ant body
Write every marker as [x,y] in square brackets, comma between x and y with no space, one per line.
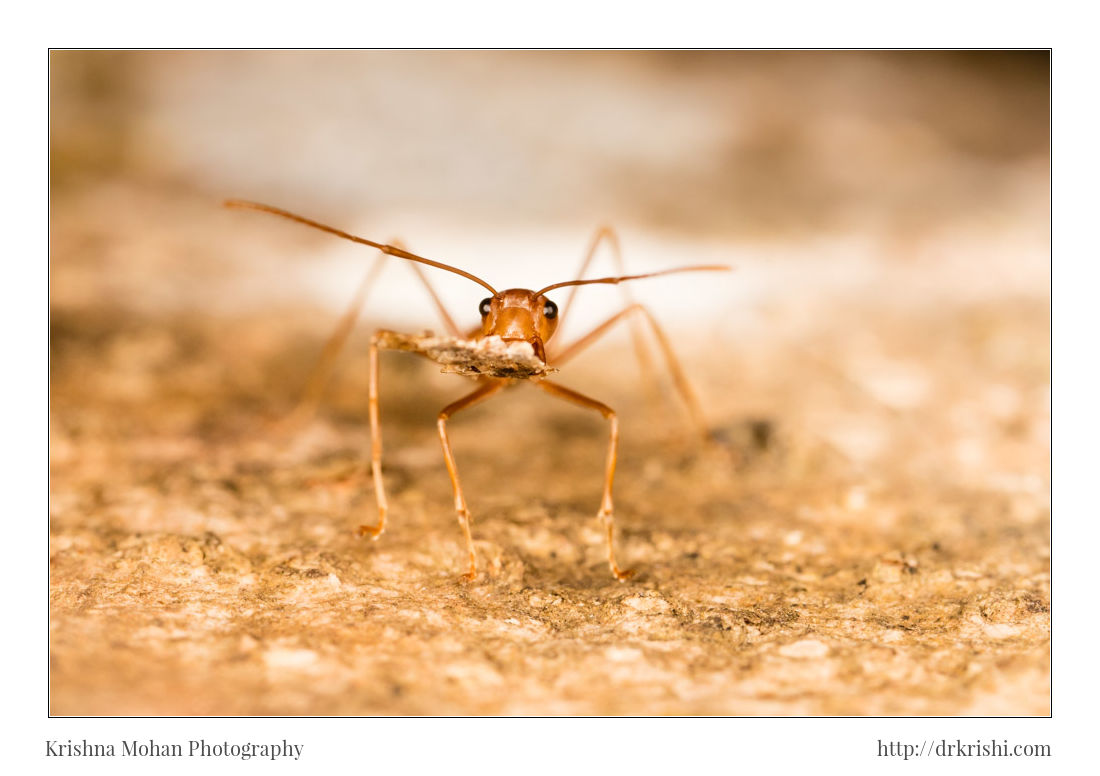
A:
[510,344]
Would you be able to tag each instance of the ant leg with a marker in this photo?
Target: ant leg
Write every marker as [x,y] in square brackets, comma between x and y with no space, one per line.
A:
[374,531]
[610,236]
[479,395]
[607,508]
[604,233]
[683,387]
[322,370]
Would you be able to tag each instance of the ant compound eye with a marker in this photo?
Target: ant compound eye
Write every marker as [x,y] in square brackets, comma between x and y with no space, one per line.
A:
[550,311]
[485,306]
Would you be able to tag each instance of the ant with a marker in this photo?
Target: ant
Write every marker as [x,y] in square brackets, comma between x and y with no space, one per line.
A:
[510,344]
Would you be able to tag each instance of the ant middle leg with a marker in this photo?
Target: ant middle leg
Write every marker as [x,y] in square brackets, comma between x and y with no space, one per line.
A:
[322,371]
[607,235]
[679,379]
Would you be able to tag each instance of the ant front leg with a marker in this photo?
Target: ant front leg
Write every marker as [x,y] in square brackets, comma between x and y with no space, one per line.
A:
[607,507]
[374,531]
[482,393]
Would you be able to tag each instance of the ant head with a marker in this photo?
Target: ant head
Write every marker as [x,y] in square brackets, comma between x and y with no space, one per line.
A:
[519,314]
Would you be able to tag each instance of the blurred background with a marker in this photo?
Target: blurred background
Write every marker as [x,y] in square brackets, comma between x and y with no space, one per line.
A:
[852,191]
[504,163]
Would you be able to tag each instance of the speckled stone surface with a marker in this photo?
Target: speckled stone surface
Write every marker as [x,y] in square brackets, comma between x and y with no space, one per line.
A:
[203,564]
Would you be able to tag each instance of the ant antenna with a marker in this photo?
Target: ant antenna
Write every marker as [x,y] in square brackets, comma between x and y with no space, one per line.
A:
[616,281]
[387,249]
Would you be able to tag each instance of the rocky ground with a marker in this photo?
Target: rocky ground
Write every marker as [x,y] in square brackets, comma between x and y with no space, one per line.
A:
[831,555]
